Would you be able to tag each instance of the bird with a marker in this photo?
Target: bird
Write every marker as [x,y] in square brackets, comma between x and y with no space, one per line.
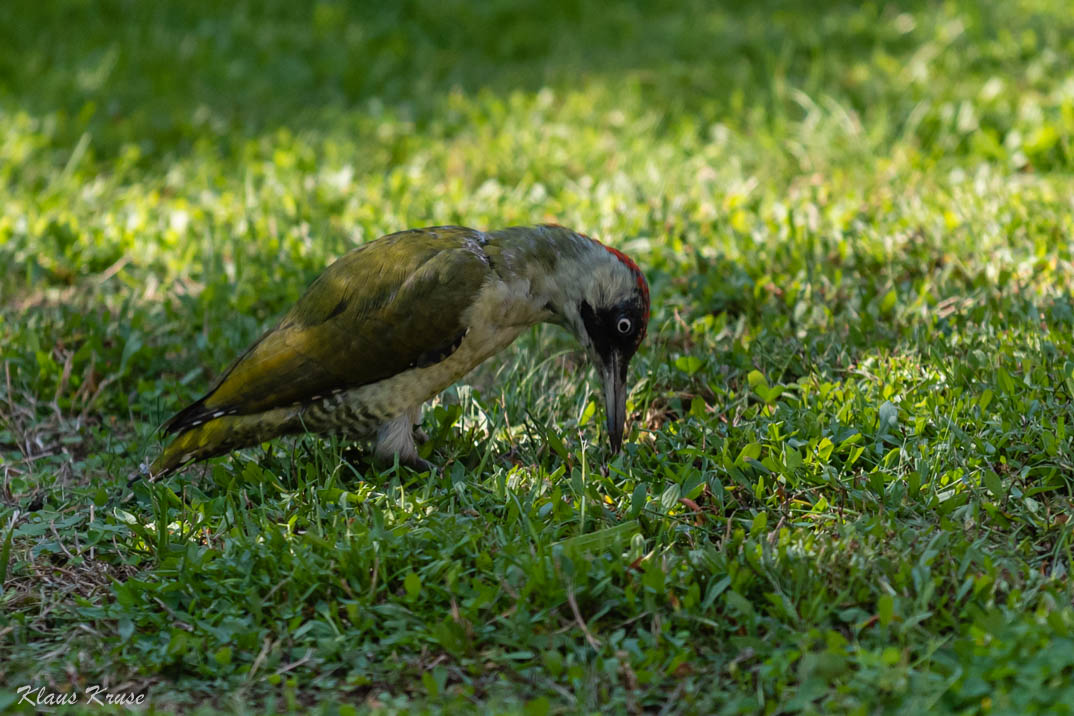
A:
[396,320]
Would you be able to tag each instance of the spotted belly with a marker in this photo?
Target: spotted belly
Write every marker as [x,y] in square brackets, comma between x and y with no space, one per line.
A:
[341,413]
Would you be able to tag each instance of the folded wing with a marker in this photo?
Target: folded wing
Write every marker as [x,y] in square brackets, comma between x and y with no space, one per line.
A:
[385,307]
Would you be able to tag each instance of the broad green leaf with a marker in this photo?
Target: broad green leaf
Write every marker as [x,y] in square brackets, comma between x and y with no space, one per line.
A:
[412,585]
[608,539]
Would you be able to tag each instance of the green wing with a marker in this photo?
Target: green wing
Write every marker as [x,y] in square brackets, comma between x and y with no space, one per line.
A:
[384,307]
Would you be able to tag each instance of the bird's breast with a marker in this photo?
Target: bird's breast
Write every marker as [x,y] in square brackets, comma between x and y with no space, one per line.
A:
[501,311]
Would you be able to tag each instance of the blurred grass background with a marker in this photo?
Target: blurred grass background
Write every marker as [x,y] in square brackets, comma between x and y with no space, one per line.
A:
[856,221]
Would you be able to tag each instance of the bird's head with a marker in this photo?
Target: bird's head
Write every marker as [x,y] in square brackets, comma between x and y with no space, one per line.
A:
[604,301]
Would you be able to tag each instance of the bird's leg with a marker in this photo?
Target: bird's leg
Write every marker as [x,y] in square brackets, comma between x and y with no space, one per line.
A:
[396,437]
[420,436]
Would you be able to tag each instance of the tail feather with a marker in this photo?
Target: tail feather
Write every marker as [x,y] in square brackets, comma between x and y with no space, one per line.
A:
[197,443]
[202,436]
[191,416]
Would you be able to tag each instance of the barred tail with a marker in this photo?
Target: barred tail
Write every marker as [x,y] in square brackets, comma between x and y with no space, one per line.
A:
[224,434]
[197,443]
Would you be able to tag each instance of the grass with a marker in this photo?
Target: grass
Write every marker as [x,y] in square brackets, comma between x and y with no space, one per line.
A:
[848,480]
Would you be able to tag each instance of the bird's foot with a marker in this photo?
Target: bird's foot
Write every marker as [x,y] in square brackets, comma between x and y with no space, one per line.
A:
[396,440]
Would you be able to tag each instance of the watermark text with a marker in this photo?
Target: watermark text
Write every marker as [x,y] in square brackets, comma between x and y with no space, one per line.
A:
[93,695]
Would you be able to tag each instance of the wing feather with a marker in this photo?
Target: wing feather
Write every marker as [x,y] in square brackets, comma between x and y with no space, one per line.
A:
[382,308]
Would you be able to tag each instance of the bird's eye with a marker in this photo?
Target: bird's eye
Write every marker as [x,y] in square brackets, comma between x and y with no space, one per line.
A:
[624,325]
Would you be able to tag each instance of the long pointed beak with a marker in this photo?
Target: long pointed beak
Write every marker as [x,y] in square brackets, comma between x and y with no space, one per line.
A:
[612,375]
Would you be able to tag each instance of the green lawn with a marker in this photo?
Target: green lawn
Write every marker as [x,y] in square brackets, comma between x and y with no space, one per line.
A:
[848,478]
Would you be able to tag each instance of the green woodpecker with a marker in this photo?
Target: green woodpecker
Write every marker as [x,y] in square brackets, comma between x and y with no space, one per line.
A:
[395,321]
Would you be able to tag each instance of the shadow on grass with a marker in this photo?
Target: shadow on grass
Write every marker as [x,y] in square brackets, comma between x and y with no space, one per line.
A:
[165,74]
